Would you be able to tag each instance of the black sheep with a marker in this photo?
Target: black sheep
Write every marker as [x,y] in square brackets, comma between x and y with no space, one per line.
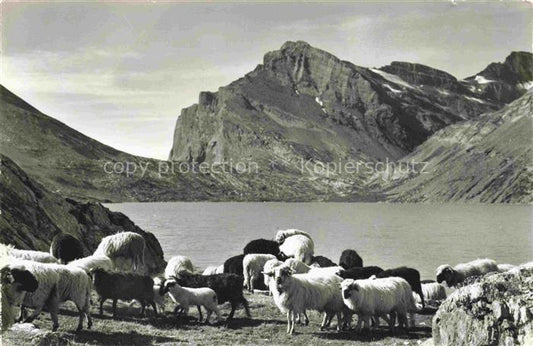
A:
[66,248]
[228,288]
[323,262]
[349,259]
[123,286]
[359,273]
[233,265]
[264,246]
[412,276]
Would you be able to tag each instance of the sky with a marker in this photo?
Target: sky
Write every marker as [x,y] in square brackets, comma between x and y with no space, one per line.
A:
[121,72]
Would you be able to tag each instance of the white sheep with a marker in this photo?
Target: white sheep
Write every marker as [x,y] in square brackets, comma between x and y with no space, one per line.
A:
[14,283]
[92,262]
[432,291]
[299,247]
[185,297]
[123,246]
[29,255]
[210,270]
[268,267]
[281,235]
[178,264]
[296,293]
[379,298]
[253,265]
[454,276]
[297,266]
[502,268]
[58,283]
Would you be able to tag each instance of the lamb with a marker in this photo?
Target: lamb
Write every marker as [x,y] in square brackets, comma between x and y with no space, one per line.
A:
[93,262]
[253,265]
[299,247]
[350,259]
[124,245]
[321,261]
[186,297]
[28,255]
[456,275]
[432,291]
[378,297]
[123,286]
[268,267]
[66,248]
[228,288]
[412,276]
[359,273]
[14,283]
[281,235]
[176,265]
[58,283]
[296,293]
[263,246]
[233,265]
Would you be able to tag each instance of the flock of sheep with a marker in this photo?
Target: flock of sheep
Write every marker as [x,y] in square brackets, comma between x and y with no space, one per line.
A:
[286,266]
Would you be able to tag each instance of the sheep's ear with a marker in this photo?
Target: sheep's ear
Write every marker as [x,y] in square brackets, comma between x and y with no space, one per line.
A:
[354,287]
[268,273]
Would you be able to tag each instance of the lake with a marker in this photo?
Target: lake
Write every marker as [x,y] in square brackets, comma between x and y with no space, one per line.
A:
[421,236]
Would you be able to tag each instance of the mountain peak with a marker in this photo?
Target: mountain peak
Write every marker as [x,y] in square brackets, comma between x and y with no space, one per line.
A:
[295,45]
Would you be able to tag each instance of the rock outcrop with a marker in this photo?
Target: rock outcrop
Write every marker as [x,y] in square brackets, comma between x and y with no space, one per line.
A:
[32,215]
[504,82]
[496,310]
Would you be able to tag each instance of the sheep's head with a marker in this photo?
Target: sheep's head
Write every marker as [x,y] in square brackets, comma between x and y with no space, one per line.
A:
[347,286]
[163,289]
[280,237]
[280,275]
[445,273]
[24,280]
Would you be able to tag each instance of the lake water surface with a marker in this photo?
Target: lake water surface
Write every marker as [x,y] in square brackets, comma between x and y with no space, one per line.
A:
[388,235]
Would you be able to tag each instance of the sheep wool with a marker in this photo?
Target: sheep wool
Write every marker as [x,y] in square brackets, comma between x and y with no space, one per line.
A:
[178,264]
[299,247]
[253,265]
[128,245]
[456,275]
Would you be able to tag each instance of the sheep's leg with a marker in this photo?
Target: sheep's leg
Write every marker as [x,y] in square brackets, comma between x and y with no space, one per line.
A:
[54,310]
[288,322]
[217,312]
[324,321]
[143,307]
[233,307]
[411,320]
[359,322]
[339,321]
[200,317]
[209,312]
[34,315]
[154,306]
[293,321]
[246,307]
[114,307]
[306,318]
[252,279]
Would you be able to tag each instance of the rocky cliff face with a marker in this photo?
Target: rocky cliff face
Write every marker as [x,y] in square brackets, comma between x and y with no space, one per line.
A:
[304,103]
[32,215]
[488,160]
[497,310]
[504,82]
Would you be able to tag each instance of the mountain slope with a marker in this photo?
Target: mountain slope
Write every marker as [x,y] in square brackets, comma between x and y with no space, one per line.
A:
[305,104]
[71,163]
[32,215]
[489,160]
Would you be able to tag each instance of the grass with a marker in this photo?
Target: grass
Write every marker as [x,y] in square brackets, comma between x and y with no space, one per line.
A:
[267,327]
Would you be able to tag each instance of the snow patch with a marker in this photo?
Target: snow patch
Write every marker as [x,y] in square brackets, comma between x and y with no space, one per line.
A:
[443,92]
[319,101]
[482,80]
[392,89]
[392,78]
[297,92]
[474,99]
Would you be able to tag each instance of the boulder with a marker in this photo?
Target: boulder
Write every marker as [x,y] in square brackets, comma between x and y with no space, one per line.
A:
[495,310]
